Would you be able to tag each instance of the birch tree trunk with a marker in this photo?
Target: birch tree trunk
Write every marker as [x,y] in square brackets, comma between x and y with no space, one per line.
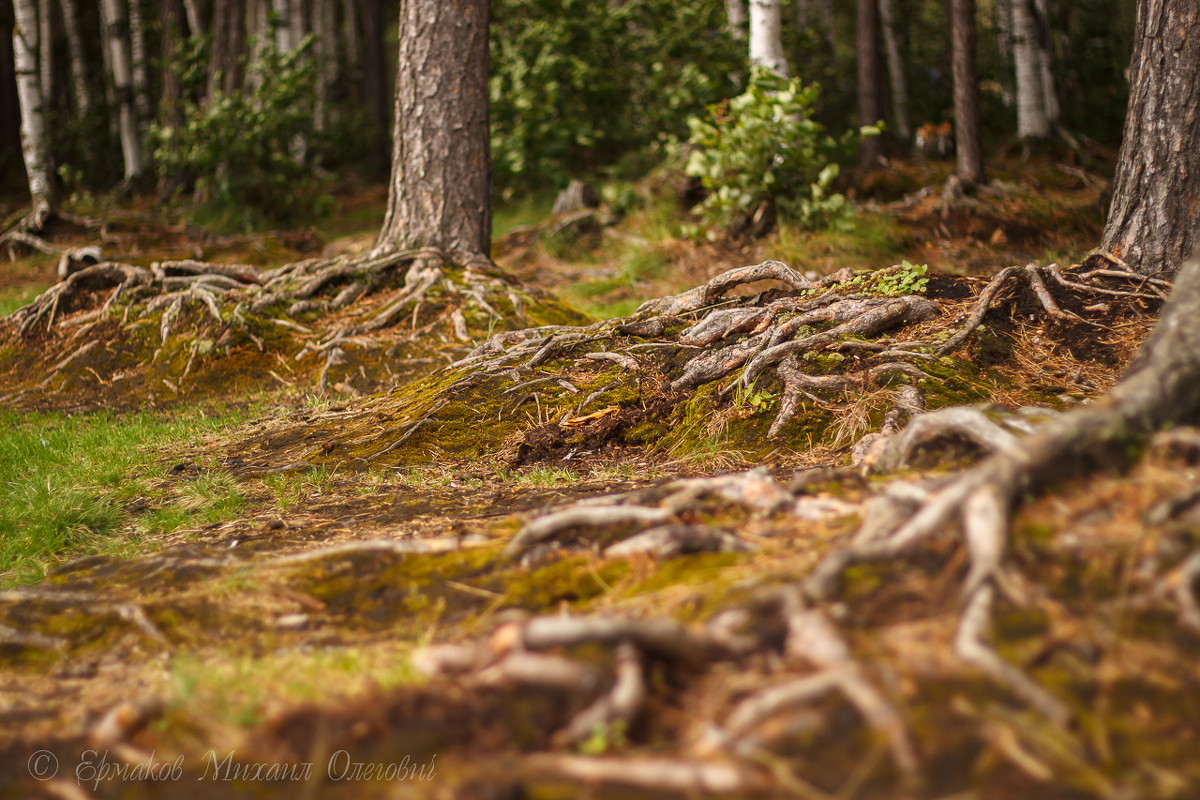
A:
[895,62]
[869,108]
[967,129]
[141,81]
[766,39]
[1155,212]
[1032,122]
[735,13]
[78,58]
[33,121]
[440,193]
[116,25]
[283,24]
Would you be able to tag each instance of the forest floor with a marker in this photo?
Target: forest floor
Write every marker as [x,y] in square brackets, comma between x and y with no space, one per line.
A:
[352,610]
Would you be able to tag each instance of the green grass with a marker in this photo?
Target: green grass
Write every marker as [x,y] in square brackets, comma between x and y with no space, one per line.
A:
[528,210]
[10,301]
[72,486]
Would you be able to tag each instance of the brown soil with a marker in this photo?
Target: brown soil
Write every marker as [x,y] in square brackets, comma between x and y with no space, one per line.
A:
[286,636]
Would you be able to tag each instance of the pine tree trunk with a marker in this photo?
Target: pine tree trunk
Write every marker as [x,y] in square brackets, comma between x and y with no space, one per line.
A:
[78,62]
[735,14]
[825,10]
[373,69]
[766,39]
[895,62]
[195,24]
[33,121]
[116,25]
[10,107]
[224,71]
[1155,208]
[1045,61]
[967,130]
[46,51]
[803,13]
[870,110]
[172,21]
[325,27]
[141,81]
[1032,122]
[440,193]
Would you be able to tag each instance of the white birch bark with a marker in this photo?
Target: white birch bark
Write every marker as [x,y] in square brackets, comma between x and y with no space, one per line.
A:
[899,83]
[110,92]
[1032,122]
[260,33]
[735,12]
[1003,20]
[297,21]
[78,59]
[766,42]
[131,145]
[46,50]
[33,120]
[141,83]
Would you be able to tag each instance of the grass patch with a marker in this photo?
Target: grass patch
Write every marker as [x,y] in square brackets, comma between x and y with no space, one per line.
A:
[528,210]
[72,486]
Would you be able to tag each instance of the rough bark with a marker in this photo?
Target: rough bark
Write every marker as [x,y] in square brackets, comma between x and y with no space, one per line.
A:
[33,121]
[895,63]
[1032,121]
[1156,195]
[870,110]
[766,41]
[440,193]
[967,129]
[282,21]
[735,11]
[78,57]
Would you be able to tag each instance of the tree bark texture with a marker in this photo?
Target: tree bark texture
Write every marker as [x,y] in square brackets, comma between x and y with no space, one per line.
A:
[224,73]
[1156,193]
[78,57]
[766,39]
[116,27]
[1032,120]
[870,109]
[46,51]
[440,193]
[10,107]
[895,63]
[967,130]
[33,120]
[1041,12]
[735,13]
[140,74]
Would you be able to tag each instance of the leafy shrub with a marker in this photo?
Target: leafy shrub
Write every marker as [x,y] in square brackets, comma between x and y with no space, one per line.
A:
[763,147]
[576,84]
[242,149]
